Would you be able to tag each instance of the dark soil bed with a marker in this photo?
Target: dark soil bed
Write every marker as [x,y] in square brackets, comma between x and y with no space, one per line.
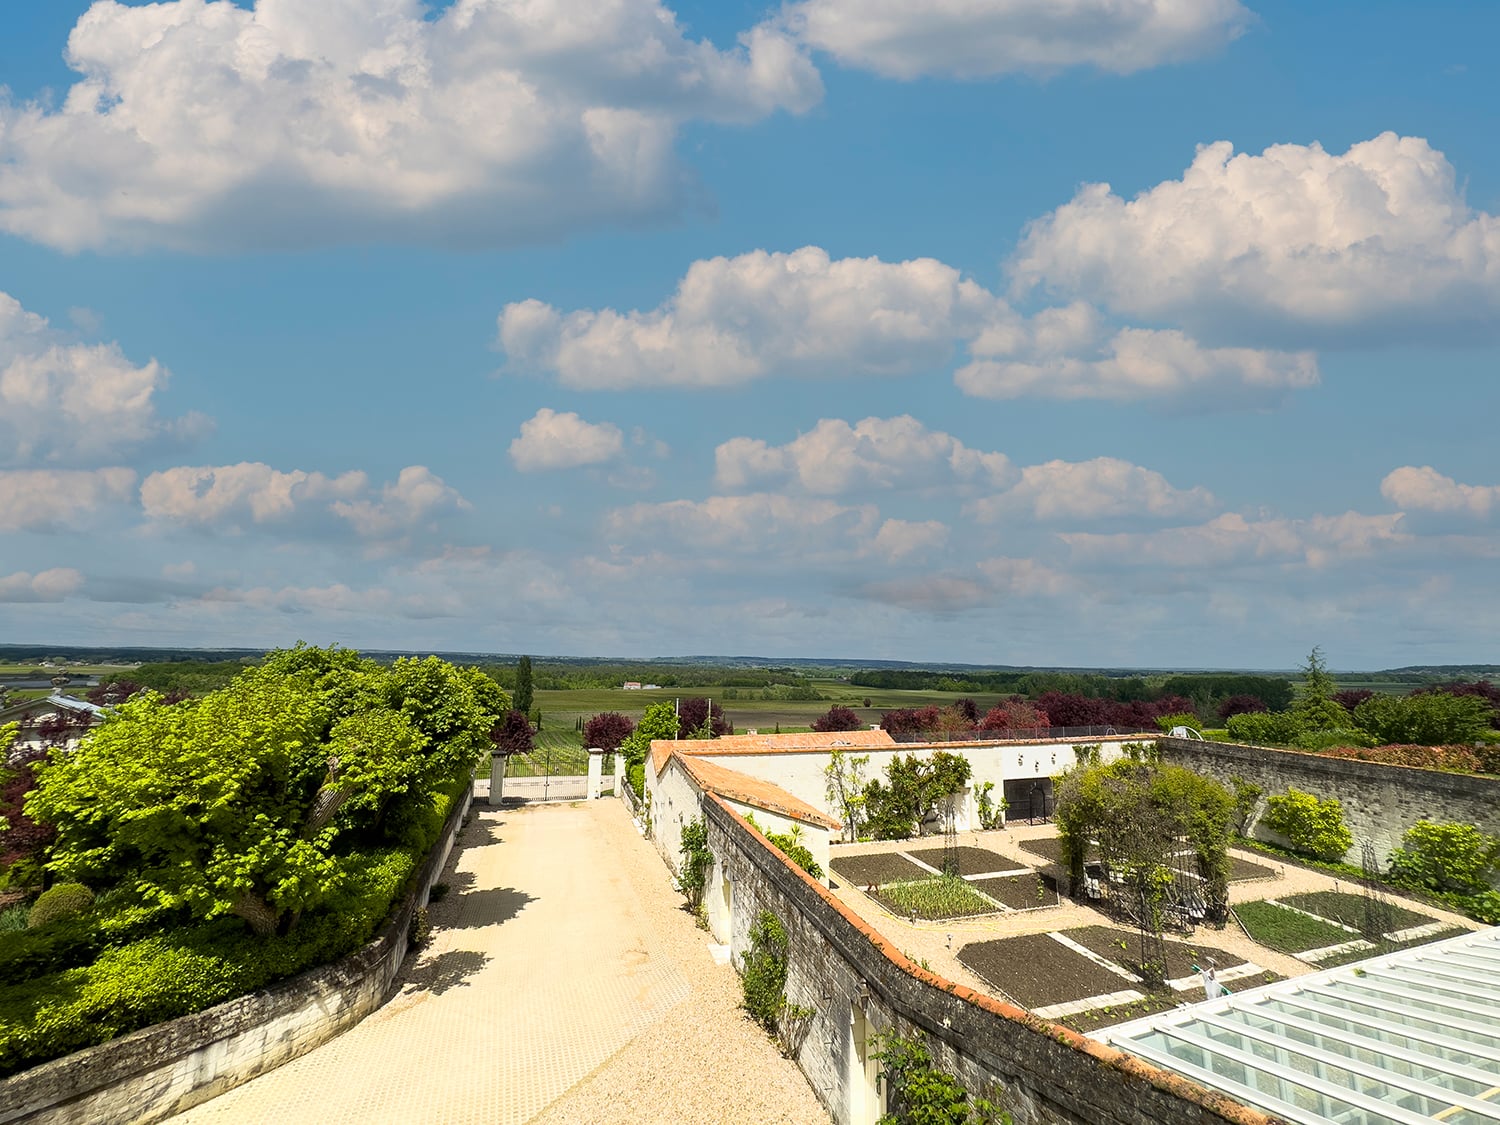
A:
[971,861]
[1242,869]
[1340,906]
[1049,849]
[1021,892]
[1036,971]
[872,870]
[1181,956]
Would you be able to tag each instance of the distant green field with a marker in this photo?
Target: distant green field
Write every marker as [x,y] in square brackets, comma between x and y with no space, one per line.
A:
[71,670]
[561,709]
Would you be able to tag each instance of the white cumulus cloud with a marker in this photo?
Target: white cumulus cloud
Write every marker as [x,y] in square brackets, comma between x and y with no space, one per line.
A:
[252,493]
[983,38]
[207,124]
[37,499]
[1104,487]
[552,440]
[1231,539]
[755,523]
[899,539]
[1376,238]
[733,320]
[835,457]
[1071,353]
[416,496]
[762,314]
[64,402]
[1427,490]
[47,586]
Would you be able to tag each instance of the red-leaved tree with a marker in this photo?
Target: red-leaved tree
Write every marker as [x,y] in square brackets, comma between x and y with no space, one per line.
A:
[838,718]
[910,720]
[607,730]
[1015,715]
[512,734]
[1240,705]
[693,713]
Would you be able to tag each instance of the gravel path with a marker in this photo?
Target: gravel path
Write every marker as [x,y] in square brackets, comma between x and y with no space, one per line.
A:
[564,983]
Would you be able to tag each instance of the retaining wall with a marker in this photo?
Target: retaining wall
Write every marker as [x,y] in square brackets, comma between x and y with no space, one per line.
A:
[1380,801]
[159,1071]
[855,982]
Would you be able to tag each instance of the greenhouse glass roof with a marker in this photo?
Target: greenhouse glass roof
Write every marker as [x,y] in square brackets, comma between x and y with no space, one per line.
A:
[1396,1040]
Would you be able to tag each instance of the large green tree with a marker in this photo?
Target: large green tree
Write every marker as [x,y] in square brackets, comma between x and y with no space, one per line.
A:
[249,800]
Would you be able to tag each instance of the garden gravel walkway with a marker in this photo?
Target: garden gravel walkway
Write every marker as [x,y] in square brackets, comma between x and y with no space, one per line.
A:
[564,983]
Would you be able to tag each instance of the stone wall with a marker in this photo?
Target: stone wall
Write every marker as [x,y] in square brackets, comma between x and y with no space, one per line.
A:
[857,984]
[1380,802]
[159,1071]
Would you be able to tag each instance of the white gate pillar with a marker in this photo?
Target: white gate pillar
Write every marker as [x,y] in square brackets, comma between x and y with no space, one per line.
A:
[497,778]
[619,775]
[596,772]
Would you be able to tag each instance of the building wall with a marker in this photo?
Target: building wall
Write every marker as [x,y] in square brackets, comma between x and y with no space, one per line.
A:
[853,981]
[801,773]
[1380,802]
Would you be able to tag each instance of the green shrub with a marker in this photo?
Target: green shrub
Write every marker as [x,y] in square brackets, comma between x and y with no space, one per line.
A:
[1275,728]
[1484,907]
[1433,718]
[1328,739]
[61,901]
[789,844]
[13,918]
[918,1092]
[1313,827]
[763,970]
[1447,857]
[48,949]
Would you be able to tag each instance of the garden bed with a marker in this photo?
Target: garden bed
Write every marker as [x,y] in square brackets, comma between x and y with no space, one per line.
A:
[1242,870]
[1021,892]
[875,869]
[971,861]
[935,898]
[1048,849]
[1341,906]
[1276,927]
[1183,958]
[1036,971]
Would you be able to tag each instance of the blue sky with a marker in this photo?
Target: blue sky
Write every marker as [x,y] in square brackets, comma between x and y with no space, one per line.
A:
[981,330]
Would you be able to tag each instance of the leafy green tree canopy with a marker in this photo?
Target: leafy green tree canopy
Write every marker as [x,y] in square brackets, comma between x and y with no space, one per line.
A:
[247,800]
[523,690]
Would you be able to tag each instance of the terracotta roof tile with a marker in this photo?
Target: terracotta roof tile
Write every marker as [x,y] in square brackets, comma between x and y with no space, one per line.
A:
[803,742]
[736,786]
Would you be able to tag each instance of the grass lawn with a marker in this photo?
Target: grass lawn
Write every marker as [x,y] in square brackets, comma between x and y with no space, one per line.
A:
[1279,928]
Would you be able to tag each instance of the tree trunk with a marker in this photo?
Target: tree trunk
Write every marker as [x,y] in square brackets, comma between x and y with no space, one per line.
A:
[261,915]
[326,803]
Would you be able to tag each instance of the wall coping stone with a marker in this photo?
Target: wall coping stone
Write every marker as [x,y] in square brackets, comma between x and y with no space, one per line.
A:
[1382,772]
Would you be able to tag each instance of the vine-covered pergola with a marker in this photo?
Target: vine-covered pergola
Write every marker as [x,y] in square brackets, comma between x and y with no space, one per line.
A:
[1142,816]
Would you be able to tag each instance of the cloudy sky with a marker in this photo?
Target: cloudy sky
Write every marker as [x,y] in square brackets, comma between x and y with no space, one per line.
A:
[1142,332]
